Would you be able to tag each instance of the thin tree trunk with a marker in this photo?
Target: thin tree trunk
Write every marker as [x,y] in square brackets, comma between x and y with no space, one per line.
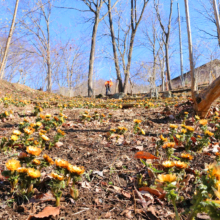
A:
[49,85]
[193,77]
[8,41]
[217,19]
[168,65]
[92,56]
[117,68]
[127,71]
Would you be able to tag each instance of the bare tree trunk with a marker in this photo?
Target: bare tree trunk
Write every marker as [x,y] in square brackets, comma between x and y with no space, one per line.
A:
[193,77]
[168,65]
[127,71]
[8,41]
[117,68]
[92,57]
[134,25]
[167,37]
[217,19]
[49,83]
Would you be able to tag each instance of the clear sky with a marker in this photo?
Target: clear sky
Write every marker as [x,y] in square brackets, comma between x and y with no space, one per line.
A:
[70,24]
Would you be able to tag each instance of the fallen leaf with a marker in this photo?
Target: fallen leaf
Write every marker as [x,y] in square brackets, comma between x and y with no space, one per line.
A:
[58,144]
[48,211]
[144,155]
[42,197]
[100,173]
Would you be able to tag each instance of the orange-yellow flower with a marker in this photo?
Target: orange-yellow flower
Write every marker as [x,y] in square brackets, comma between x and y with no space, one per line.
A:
[167,178]
[197,117]
[75,170]
[203,122]
[14,137]
[44,137]
[173,126]
[187,156]
[163,138]
[57,176]
[169,145]
[34,150]
[16,132]
[33,173]
[168,164]
[180,165]
[191,129]
[13,164]
[61,132]
[61,163]
[213,169]
[22,170]
[48,159]
[36,162]
[208,133]
[183,131]
[137,121]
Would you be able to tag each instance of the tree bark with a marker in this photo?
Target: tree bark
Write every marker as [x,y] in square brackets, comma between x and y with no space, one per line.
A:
[92,56]
[8,41]
[117,68]
[168,65]
[127,71]
[203,101]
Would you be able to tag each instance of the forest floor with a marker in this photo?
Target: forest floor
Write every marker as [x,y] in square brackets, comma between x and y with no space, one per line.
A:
[109,188]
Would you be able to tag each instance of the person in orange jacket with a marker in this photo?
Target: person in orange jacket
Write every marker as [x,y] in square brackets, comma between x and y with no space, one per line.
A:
[108,85]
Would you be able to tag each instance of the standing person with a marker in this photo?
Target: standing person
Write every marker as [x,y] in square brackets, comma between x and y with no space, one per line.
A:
[108,85]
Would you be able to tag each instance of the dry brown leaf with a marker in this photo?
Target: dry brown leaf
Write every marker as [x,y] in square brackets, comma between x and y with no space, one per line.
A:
[48,211]
[144,155]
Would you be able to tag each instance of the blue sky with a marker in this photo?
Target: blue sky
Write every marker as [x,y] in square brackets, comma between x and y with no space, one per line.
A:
[69,24]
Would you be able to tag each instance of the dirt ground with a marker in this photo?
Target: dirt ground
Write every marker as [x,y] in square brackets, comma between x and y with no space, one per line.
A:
[107,190]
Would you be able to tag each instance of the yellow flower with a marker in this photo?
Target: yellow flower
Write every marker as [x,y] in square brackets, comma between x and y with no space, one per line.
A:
[48,159]
[112,130]
[28,131]
[197,117]
[213,169]
[26,120]
[61,132]
[33,150]
[22,170]
[191,129]
[178,136]
[166,178]
[57,177]
[36,162]
[173,126]
[163,138]
[183,131]
[137,121]
[16,132]
[44,137]
[14,137]
[203,122]
[186,113]
[169,145]
[168,164]
[48,115]
[142,132]
[13,164]
[180,165]
[39,124]
[61,163]
[75,170]
[6,113]
[186,156]
[209,133]
[33,173]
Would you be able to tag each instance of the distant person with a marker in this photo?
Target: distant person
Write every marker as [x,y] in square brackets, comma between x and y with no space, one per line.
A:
[108,85]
